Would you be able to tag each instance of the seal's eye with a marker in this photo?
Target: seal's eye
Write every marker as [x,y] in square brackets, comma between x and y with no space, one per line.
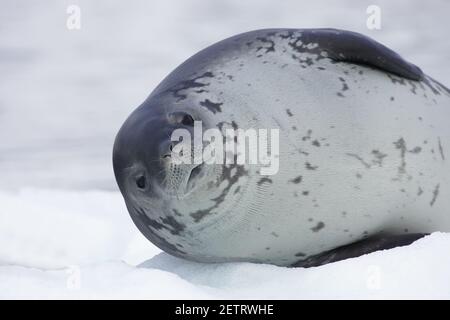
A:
[187,120]
[141,182]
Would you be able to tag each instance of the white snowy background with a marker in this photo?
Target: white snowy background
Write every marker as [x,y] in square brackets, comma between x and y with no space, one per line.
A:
[64,229]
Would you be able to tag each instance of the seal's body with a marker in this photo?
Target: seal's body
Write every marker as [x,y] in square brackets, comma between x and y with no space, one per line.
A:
[363,140]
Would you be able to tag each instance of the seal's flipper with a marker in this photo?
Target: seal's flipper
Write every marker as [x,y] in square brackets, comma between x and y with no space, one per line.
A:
[353,250]
[347,46]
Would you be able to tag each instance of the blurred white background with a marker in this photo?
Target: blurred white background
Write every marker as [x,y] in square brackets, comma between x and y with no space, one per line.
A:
[65,93]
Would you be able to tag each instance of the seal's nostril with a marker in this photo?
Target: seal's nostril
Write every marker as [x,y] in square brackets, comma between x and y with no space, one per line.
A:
[168,153]
[181,118]
[187,120]
[141,182]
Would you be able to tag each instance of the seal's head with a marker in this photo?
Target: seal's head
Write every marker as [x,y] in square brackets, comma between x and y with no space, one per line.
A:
[156,188]
[143,156]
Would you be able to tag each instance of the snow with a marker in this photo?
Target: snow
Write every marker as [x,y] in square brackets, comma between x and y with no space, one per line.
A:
[64,229]
[82,244]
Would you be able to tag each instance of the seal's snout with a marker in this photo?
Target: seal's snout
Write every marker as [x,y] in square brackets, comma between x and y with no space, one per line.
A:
[165,150]
[179,176]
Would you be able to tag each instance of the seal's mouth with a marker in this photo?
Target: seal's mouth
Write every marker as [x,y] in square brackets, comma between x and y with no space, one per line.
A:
[194,175]
[182,179]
